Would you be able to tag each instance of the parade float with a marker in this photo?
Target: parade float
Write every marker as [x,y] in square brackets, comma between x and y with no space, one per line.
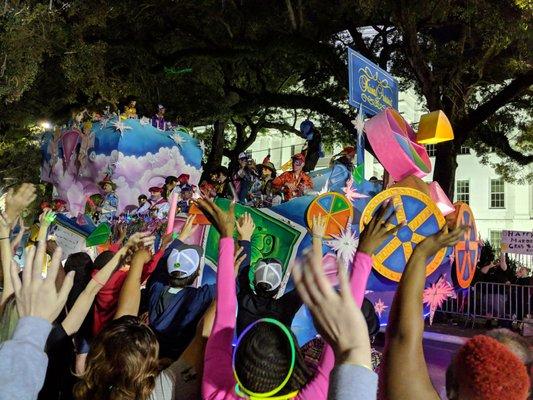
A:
[136,154]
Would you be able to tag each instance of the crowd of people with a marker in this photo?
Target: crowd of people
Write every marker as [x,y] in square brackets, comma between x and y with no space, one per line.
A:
[134,323]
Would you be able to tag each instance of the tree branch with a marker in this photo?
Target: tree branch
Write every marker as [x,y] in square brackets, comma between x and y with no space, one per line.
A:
[516,88]
[286,100]
[499,140]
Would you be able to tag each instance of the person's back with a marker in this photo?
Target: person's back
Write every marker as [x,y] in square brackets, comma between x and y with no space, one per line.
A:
[175,306]
[262,302]
[175,313]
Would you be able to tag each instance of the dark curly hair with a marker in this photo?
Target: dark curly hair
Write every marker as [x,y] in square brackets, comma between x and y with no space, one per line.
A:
[122,363]
[263,360]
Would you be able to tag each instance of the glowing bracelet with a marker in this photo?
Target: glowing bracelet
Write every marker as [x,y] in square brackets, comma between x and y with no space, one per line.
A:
[240,388]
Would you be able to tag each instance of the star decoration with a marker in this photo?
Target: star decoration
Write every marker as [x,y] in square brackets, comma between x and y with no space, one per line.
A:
[344,244]
[177,138]
[120,126]
[436,294]
[359,122]
[379,307]
[144,121]
[350,192]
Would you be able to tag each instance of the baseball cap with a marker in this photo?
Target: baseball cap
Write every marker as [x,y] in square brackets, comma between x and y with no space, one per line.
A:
[269,271]
[184,260]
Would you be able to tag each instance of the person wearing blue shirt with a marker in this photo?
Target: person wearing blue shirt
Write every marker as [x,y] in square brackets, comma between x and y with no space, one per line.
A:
[175,305]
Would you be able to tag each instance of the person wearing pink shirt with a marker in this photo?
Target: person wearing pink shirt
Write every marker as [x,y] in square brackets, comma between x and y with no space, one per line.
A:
[263,358]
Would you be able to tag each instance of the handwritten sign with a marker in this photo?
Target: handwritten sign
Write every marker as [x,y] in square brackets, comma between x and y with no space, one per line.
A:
[517,242]
[69,240]
[370,86]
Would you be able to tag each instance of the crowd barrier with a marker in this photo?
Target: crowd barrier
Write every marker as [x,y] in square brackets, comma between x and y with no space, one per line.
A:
[491,301]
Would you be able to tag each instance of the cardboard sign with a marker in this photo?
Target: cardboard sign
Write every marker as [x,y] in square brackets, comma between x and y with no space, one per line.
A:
[370,86]
[517,242]
[69,240]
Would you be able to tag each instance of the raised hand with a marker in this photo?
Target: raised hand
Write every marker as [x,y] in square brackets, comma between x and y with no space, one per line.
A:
[377,230]
[17,201]
[188,229]
[432,244]
[318,229]
[245,227]
[239,257]
[140,239]
[36,296]
[223,221]
[336,316]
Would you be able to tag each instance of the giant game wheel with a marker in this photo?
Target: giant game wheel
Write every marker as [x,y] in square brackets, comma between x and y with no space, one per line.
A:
[423,219]
[337,210]
[466,251]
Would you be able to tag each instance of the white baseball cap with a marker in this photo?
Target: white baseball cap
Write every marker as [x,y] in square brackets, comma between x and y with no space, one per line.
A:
[185,260]
[270,272]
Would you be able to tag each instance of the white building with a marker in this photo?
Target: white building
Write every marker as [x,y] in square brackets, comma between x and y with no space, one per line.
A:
[497,205]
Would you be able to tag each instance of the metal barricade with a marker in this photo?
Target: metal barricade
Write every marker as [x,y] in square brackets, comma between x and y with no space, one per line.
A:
[501,301]
[459,306]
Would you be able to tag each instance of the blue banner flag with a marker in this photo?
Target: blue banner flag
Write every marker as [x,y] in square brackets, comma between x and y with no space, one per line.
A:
[370,86]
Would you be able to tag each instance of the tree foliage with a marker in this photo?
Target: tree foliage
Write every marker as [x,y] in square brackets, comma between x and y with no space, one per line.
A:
[243,66]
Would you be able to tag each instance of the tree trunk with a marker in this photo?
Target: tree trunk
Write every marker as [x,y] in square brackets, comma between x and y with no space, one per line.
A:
[445,166]
[214,159]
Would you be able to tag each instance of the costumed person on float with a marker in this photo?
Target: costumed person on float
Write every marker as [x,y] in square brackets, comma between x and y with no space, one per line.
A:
[160,207]
[294,183]
[223,183]
[186,198]
[144,206]
[245,177]
[158,120]
[170,184]
[109,206]
[313,144]
[59,206]
[130,110]
[262,193]
[208,190]
[341,169]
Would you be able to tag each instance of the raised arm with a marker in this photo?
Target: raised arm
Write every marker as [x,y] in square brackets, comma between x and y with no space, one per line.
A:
[75,317]
[341,323]
[130,294]
[218,375]
[404,355]
[371,237]
[16,202]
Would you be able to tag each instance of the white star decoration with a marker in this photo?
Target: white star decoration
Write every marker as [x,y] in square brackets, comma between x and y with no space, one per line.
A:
[350,192]
[436,294]
[379,307]
[121,126]
[177,138]
[144,121]
[344,244]
[359,122]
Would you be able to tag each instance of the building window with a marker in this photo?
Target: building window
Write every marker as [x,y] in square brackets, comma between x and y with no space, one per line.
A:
[496,241]
[464,150]
[462,190]
[497,193]
[430,148]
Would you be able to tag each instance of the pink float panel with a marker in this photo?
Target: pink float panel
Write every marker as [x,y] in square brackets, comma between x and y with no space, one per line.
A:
[393,141]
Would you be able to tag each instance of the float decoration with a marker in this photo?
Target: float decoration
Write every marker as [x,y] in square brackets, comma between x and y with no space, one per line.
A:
[393,141]
[441,200]
[436,294]
[434,128]
[423,219]
[466,251]
[336,209]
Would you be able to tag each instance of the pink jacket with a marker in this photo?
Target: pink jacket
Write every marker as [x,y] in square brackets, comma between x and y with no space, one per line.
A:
[218,381]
